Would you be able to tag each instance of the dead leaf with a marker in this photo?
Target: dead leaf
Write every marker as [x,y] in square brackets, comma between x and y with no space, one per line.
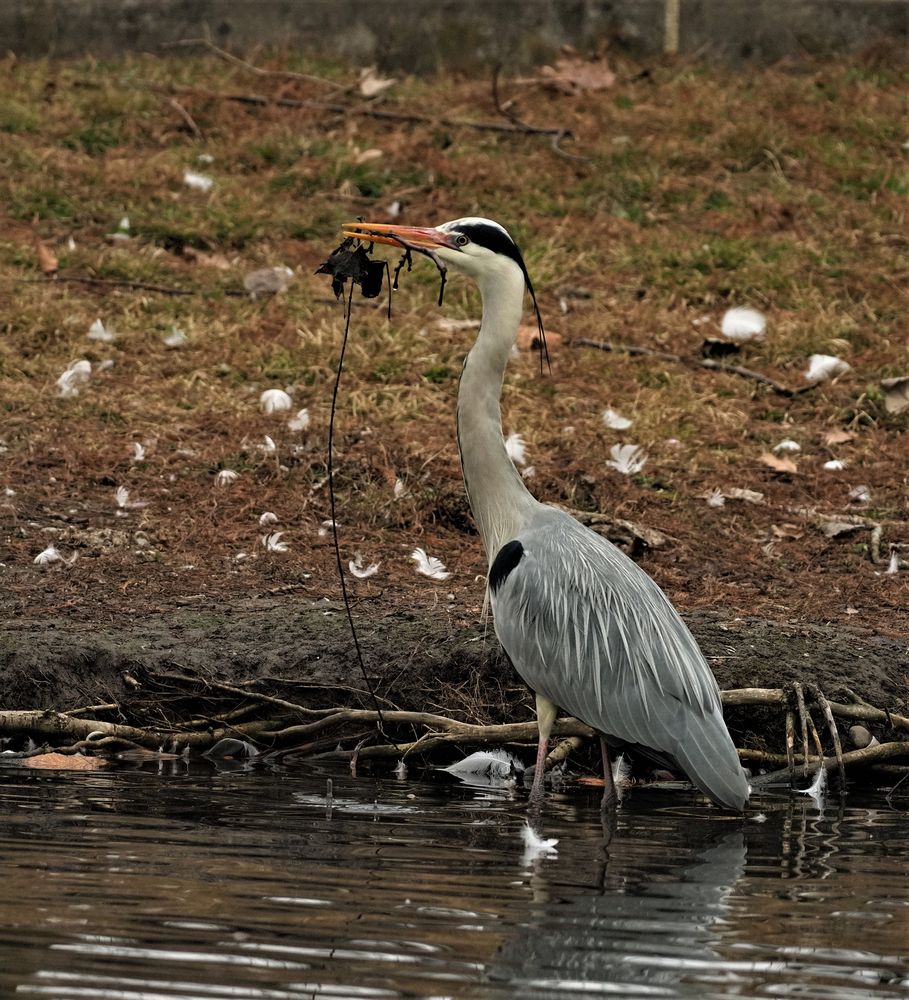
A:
[572,74]
[64,762]
[362,156]
[838,437]
[529,339]
[46,260]
[896,393]
[371,84]
[778,464]
[738,493]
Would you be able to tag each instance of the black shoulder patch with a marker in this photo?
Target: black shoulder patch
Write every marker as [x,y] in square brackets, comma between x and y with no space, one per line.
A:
[508,556]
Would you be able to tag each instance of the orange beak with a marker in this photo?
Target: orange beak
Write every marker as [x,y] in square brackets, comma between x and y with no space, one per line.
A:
[399,236]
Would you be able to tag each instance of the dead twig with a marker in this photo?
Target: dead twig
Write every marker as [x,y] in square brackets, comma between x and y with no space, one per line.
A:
[143,286]
[367,111]
[521,732]
[709,363]
[505,110]
[188,119]
[280,74]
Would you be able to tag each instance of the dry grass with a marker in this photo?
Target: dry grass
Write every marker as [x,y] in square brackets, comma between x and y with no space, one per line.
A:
[702,189]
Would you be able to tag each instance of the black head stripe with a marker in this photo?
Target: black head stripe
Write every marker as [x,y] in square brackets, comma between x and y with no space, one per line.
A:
[494,239]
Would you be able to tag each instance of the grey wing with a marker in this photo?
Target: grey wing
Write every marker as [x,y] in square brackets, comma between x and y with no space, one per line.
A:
[586,627]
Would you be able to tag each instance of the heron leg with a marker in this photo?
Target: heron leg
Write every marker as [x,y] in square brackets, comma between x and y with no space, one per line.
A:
[610,792]
[546,715]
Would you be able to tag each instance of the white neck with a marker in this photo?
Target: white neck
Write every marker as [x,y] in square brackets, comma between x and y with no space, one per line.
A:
[500,501]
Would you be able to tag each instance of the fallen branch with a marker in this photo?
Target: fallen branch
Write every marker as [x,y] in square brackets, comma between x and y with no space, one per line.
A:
[366,111]
[143,286]
[465,735]
[861,712]
[709,363]
[852,759]
[281,74]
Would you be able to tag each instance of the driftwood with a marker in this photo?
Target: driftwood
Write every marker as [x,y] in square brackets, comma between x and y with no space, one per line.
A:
[270,726]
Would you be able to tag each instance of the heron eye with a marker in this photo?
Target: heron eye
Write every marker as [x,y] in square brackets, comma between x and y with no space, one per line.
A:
[461,240]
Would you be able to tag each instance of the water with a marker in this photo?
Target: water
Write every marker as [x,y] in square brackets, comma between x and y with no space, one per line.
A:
[233,885]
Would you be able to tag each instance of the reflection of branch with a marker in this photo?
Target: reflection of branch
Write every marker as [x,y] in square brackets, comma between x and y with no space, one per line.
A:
[718,366]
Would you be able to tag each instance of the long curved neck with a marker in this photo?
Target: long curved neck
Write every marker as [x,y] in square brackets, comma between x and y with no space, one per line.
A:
[500,501]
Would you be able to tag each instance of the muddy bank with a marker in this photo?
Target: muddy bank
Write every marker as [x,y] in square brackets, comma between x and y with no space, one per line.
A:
[433,661]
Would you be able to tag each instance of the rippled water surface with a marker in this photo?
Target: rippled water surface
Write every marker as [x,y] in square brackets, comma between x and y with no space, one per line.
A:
[138,885]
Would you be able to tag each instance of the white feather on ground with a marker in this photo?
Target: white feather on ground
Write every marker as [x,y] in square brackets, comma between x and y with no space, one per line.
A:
[275,400]
[360,571]
[742,324]
[824,366]
[429,565]
[626,458]
[615,420]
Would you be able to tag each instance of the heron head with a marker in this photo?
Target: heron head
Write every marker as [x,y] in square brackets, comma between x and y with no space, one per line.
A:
[478,247]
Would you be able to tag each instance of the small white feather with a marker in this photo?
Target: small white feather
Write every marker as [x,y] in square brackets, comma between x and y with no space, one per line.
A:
[360,571]
[198,182]
[138,452]
[429,565]
[818,788]
[267,518]
[98,331]
[48,556]
[615,420]
[893,567]
[275,400]
[715,498]
[536,846]
[300,422]
[176,338]
[787,445]
[626,458]
[742,324]
[272,542]
[225,477]
[824,366]
[74,378]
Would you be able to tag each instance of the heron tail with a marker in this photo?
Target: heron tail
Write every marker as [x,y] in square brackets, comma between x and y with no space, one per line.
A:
[708,756]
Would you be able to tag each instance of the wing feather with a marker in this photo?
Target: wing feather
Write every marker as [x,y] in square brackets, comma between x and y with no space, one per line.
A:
[588,628]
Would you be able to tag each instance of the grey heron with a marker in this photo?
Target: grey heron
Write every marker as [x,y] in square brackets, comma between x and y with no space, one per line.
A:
[586,628]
